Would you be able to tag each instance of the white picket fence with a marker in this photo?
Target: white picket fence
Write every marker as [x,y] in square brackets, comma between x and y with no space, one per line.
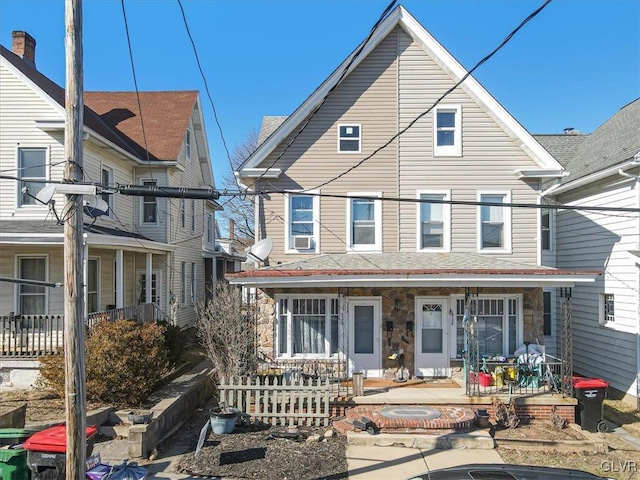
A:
[279,402]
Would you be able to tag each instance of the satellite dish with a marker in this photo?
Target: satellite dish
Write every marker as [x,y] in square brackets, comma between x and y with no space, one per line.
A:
[95,206]
[46,193]
[261,250]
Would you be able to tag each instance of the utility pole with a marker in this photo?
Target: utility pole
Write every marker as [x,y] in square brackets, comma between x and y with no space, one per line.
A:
[75,389]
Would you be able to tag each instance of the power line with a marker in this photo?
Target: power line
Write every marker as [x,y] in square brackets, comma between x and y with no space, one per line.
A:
[206,84]
[355,55]
[465,76]
[135,83]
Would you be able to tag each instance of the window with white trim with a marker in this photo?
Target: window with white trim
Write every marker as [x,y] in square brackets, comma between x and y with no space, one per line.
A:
[545,229]
[93,275]
[183,212]
[32,299]
[187,145]
[364,222]
[149,204]
[183,286]
[499,325]
[607,309]
[349,138]
[547,313]
[307,325]
[194,286]
[494,222]
[106,175]
[302,222]
[193,215]
[32,171]
[447,131]
[433,222]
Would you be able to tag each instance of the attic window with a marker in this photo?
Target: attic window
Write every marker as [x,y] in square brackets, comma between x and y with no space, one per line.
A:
[349,138]
[447,131]
[187,144]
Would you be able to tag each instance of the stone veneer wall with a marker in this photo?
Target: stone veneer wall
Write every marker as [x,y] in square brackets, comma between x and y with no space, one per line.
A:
[392,341]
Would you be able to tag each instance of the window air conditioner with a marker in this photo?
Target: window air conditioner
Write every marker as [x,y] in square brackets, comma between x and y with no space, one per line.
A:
[302,243]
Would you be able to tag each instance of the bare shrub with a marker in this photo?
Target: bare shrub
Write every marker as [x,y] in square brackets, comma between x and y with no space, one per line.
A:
[226,327]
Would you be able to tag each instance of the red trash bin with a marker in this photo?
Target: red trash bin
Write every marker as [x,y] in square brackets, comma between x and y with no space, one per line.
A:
[47,450]
[591,393]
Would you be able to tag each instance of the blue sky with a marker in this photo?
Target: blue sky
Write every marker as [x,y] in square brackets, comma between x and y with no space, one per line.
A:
[574,65]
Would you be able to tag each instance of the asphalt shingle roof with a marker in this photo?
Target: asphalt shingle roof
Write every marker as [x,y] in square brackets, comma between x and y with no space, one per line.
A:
[613,143]
[269,125]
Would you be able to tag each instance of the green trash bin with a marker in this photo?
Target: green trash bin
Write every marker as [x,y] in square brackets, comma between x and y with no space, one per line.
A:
[13,436]
[13,464]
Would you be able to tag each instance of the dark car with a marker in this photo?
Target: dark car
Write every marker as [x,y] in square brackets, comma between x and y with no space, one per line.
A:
[505,472]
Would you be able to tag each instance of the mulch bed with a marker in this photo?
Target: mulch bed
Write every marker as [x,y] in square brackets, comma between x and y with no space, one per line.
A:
[255,452]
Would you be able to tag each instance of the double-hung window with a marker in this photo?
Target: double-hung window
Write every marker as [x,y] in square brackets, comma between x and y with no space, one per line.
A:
[349,139]
[106,175]
[364,222]
[433,221]
[193,215]
[545,229]
[149,204]
[498,324]
[494,222]
[607,308]
[183,212]
[32,299]
[303,221]
[32,171]
[307,326]
[447,131]
[93,275]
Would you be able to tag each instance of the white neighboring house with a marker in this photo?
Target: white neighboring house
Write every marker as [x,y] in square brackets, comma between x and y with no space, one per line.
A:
[603,171]
[145,250]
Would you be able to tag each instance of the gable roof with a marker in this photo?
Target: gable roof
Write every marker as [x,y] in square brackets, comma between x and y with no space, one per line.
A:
[56,93]
[166,118]
[400,16]
[115,115]
[615,142]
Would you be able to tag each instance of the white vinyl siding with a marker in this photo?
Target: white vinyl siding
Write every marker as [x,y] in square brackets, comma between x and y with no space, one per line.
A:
[601,242]
[434,222]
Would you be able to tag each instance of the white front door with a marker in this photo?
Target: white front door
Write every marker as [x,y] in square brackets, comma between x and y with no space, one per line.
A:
[365,336]
[156,287]
[432,337]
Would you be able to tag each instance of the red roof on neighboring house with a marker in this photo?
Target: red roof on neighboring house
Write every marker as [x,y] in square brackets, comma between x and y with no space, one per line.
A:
[165,114]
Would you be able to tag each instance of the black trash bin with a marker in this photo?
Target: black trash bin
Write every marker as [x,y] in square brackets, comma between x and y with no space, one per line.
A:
[591,393]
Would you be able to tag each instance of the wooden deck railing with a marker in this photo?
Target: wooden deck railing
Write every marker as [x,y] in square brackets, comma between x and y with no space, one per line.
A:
[37,335]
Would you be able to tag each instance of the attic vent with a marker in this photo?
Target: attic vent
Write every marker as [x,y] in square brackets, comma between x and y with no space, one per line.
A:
[302,242]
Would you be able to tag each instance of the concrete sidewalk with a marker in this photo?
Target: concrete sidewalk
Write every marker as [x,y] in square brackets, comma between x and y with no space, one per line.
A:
[363,462]
[391,463]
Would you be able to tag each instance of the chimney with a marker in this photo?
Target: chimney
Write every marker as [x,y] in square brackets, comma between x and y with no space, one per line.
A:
[232,227]
[24,45]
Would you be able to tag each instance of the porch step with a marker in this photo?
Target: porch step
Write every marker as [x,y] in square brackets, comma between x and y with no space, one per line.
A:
[409,419]
[479,439]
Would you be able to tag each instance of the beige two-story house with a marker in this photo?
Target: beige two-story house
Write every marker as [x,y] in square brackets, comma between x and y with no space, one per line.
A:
[142,250]
[388,211]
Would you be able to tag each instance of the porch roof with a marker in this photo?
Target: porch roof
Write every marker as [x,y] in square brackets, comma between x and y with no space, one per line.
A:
[411,269]
[31,232]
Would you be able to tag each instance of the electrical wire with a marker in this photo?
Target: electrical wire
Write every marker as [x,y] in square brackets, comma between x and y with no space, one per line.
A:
[206,84]
[54,164]
[445,94]
[354,56]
